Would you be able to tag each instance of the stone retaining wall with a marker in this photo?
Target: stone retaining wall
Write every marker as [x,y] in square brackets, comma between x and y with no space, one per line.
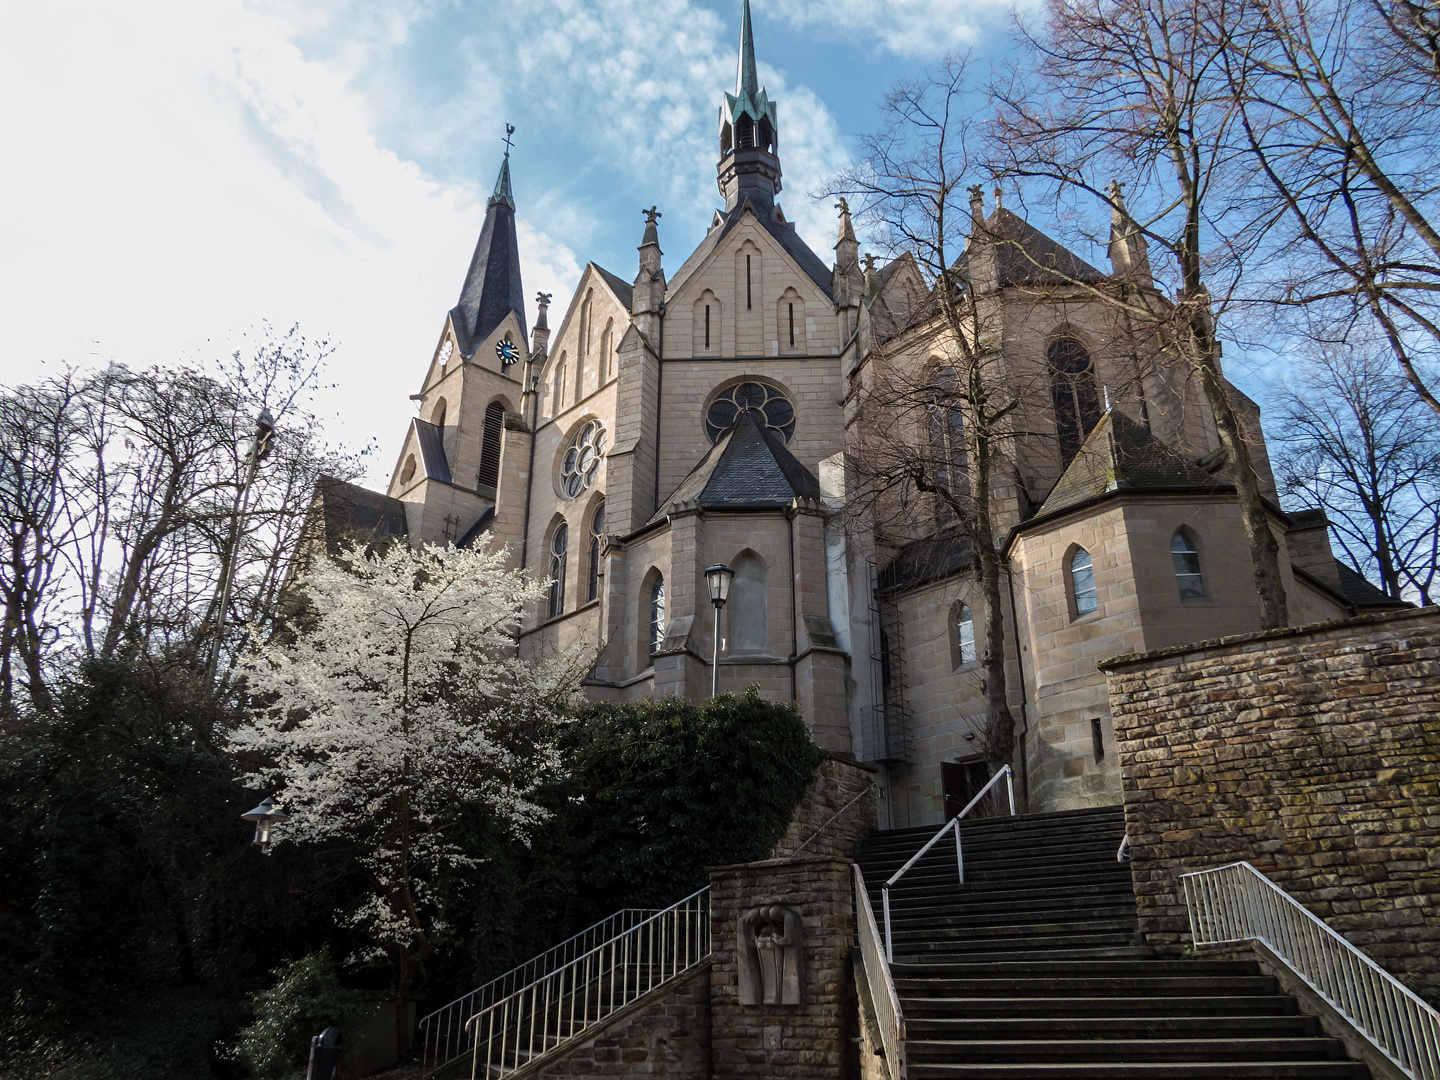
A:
[807,1041]
[837,781]
[1311,752]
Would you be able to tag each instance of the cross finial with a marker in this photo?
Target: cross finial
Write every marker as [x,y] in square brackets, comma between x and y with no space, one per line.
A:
[652,215]
[509,142]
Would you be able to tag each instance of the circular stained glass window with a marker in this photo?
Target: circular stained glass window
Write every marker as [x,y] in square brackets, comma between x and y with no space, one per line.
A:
[767,405]
[581,463]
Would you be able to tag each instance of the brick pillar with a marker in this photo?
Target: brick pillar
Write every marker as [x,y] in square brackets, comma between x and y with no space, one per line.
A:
[799,1042]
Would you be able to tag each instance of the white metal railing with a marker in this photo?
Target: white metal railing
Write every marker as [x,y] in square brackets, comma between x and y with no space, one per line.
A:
[882,986]
[1120,855]
[863,792]
[1003,774]
[562,1003]
[1236,903]
[441,1035]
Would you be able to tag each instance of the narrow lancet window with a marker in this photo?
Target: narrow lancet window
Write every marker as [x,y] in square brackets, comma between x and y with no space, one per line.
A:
[1082,583]
[1187,567]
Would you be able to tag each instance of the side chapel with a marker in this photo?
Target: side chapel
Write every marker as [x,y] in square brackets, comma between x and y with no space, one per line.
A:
[675,420]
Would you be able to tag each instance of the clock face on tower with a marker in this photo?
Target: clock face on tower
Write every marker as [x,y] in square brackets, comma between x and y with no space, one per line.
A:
[506,350]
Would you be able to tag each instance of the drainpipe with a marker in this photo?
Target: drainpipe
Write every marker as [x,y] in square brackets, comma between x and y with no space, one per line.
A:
[1020,669]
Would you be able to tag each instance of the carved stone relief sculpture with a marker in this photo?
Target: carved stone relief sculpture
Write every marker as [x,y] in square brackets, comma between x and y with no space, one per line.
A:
[770,956]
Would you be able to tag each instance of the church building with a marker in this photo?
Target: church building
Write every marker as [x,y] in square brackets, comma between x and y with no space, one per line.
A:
[689,412]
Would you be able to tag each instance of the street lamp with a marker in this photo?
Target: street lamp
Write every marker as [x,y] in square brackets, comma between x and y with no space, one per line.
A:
[717,577]
[256,449]
[266,817]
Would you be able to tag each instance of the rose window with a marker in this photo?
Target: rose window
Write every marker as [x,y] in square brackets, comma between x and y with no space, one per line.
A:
[581,463]
[768,406]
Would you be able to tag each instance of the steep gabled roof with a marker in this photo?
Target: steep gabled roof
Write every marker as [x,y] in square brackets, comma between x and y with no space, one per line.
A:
[344,508]
[492,286]
[624,291]
[431,441]
[749,469]
[1122,454]
[1361,592]
[783,232]
[1026,256]
[926,560]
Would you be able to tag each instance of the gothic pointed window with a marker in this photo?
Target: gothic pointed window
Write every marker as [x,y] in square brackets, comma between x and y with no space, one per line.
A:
[1082,583]
[964,636]
[769,407]
[1074,394]
[490,444]
[706,313]
[597,538]
[748,609]
[656,636]
[948,459]
[1187,567]
[437,416]
[559,548]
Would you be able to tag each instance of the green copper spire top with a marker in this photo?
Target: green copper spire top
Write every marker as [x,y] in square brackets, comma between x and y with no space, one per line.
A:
[746,80]
[502,192]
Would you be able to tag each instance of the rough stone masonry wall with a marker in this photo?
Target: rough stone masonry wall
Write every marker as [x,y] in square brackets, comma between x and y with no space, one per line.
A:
[1313,753]
[836,783]
[664,1034]
[809,1041]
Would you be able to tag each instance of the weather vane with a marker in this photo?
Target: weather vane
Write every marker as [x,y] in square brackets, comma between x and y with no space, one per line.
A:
[509,142]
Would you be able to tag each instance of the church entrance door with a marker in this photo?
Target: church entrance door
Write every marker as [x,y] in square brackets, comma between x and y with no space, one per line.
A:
[961,781]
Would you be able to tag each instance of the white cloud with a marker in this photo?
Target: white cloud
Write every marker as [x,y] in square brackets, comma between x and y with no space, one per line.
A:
[915,29]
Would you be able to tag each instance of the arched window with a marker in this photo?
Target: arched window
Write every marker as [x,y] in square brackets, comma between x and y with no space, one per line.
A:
[949,462]
[1082,583]
[437,414]
[408,472]
[607,347]
[1073,391]
[749,606]
[964,636]
[706,323]
[559,401]
[657,615]
[597,537]
[490,444]
[1187,567]
[790,320]
[559,547]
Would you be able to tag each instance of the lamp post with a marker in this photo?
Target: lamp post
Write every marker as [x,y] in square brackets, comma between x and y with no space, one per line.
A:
[266,817]
[260,445]
[717,577]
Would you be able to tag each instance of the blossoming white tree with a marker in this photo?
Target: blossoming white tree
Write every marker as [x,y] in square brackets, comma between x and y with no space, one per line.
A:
[399,709]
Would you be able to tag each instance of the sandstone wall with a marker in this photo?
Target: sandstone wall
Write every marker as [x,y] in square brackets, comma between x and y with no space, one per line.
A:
[1313,753]
[836,782]
[666,1033]
[808,1041]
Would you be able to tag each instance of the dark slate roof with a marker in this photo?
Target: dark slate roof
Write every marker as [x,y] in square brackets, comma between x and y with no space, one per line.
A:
[621,288]
[432,450]
[492,287]
[346,508]
[1360,592]
[782,231]
[749,468]
[1027,256]
[925,560]
[1122,454]
[482,525]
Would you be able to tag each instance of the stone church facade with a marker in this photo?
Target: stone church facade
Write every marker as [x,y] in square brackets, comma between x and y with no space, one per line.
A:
[702,411]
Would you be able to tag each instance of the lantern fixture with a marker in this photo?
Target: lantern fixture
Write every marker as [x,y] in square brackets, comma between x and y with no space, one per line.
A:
[266,817]
[718,578]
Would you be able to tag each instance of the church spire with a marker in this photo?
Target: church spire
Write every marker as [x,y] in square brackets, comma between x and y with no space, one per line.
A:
[492,288]
[749,162]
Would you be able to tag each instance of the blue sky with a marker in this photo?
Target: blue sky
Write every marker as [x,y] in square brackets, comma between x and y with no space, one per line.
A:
[187,169]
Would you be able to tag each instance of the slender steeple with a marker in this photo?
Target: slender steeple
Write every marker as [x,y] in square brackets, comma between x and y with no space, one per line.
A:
[749,162]
[492,286]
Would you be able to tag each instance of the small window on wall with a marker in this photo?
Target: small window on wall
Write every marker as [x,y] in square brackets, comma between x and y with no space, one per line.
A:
[1082,583]
[1187,567]
[408,472]
[964,636]
[657,616]
[597,537]
[1097,739]
[438,416]
[490,444]
[559,547]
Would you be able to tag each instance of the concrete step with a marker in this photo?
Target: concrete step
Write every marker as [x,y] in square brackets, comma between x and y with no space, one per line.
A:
[1225,1048]
[943,984]
[1099,1006]
[1136,1070]
[1043,1025]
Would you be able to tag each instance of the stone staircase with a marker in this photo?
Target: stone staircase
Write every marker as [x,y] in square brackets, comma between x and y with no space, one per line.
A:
[1033,967]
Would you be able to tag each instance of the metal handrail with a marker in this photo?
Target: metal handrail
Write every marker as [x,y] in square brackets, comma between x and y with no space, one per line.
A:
[822,828]
[441,1034]
[1236,903]
[562,1004]
[882,986]
[954,822]
[1120,855]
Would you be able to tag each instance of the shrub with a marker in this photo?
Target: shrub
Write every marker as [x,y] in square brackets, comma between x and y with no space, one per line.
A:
[306,999]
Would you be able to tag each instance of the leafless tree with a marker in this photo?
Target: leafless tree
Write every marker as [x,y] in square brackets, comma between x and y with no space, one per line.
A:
[933,407]
[1336,103]
[1353,439]
[1136,90]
